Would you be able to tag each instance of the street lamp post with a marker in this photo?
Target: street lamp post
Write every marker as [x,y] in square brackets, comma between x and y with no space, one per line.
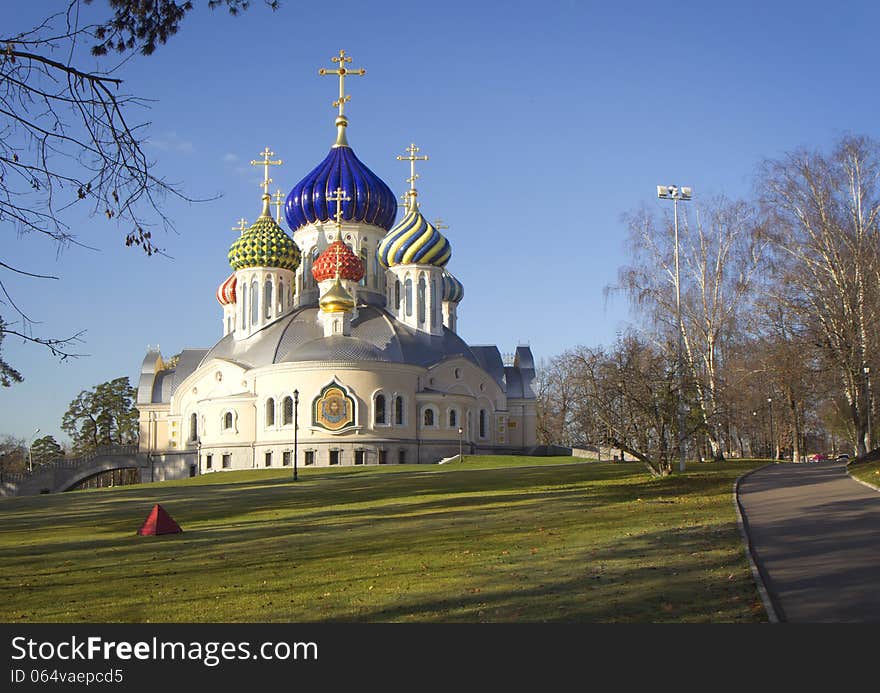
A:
[30,451]
[868,435]
[772,434]
[754,430]
[295,430]
[460,431]
[675,193]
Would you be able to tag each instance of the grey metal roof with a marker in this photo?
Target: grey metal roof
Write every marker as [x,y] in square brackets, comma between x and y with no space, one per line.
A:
[165,382]
[490,361]
[390,340]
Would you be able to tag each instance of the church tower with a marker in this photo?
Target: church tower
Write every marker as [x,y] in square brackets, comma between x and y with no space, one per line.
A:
[368,208]
[264,259]
[453,292]
[415,252]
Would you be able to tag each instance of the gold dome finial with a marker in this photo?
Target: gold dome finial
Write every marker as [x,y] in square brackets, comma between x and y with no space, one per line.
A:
[266,162]
[336,299]
[411,195]
[342,72]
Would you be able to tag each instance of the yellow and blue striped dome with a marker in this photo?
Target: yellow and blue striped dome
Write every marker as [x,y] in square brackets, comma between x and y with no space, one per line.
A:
[453,290]
[264,244]
[414,241]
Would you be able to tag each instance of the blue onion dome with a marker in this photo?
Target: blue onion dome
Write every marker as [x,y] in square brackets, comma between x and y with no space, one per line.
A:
[414,241]
[264,244]
[370,200]
[453,290]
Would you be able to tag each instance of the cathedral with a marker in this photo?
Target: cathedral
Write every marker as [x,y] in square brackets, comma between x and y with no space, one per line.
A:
[340,340]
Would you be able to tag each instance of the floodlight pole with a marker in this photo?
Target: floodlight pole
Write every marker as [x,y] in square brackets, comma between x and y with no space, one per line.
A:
[295,430]
[677,193]
[30,451]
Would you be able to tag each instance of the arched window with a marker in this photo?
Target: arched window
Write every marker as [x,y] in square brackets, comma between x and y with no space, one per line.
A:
[435,303]
[270,412]
[407,290]
[193,427]
[379,408]
[397,295]
[244,313]
[227,420]
[376,271]
[288,411]
[267,299]
[311,278]
[428,417]
[482,423]
[421,299]
[453,418]
[363,281]
[255,303]
[398,410]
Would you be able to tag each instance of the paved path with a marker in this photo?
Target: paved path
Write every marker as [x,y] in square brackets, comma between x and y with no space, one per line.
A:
[815,534]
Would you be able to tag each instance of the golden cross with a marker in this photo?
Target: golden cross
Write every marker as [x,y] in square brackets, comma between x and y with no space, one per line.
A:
[413,176]
[338,196]
[242,226]
[277,199]
[438,224]
[266,162]
[343,72]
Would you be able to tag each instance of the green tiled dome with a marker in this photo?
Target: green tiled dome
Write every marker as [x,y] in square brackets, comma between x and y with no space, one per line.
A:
[264,244]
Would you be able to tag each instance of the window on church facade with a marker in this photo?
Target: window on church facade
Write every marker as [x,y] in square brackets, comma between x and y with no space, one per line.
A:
[255,303]
[244,313]
[270,412]
[408,296]
[193,427]
[310,458]
[482,423]
[428,417]
[397,295]
[435,304]
[398,410]
[453,418]
[363,281]
[288,411]
[376,272]
[227,461]
[227,420]
[267,299]
[268,459]
[379,417]
[421,299]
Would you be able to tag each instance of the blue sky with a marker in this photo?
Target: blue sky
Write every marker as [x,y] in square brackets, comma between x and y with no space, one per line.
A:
[544,122]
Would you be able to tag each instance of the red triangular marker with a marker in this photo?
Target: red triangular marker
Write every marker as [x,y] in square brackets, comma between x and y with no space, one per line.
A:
[158,522]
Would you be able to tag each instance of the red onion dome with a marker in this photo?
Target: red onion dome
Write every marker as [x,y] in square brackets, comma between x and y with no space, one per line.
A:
[338,255]
[226,291]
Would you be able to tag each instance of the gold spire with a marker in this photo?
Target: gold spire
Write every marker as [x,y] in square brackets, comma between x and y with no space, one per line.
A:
[242,226]
[411,195]
[266,162]
[342,71]
[438,224]
[278,200]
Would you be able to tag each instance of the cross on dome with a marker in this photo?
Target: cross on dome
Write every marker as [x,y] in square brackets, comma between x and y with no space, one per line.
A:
[342,72]
[278,200]
[438,224]
[266,162]
[242,226]
[411,195]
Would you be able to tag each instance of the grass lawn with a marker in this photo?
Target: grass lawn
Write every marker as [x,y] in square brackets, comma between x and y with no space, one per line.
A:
[868,472]
[490,539]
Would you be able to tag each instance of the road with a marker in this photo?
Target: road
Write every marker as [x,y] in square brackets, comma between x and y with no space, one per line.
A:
[815,535]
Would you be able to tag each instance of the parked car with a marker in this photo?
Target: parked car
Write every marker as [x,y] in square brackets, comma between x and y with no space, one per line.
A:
[818,457]
[843,457]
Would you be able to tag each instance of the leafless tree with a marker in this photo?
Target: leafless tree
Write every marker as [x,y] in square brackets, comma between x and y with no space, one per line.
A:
[719,257]
[822,211]
[71,137]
